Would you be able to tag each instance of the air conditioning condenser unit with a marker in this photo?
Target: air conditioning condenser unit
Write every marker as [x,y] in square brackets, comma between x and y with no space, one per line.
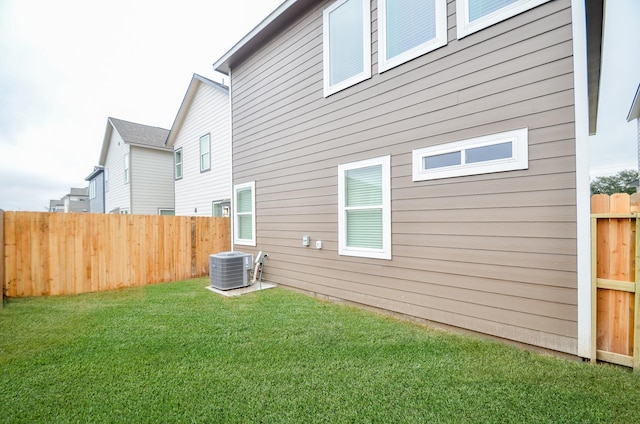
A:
[230,270]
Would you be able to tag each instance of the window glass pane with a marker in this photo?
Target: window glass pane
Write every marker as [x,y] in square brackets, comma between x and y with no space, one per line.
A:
[243,199]
[440,161]
[363,186]
[410,23]
[345,41]
[204,152]
[364,228]
[217,209]
[245,227]
[481,8]
[486,153]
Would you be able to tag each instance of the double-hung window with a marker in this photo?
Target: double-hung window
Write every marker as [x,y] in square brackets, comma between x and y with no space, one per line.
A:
[346,44]
[205,155]
[244,222]
[505,151]
[126,168]
[474,15]
[364,208]
[177,159]
[408,29]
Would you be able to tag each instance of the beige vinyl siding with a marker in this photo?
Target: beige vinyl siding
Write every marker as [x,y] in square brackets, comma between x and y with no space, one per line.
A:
[207,114]
[151,180]
[119,194]
[493,253]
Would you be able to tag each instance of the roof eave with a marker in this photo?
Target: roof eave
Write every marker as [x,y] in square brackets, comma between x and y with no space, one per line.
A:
[634,112]
[261,32]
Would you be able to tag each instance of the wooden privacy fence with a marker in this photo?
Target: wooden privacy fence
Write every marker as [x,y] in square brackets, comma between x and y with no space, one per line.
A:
[66,253]
[615,275]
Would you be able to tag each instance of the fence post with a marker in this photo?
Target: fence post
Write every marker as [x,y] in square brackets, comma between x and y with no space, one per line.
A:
[636,310]
[2,259]
[194,247]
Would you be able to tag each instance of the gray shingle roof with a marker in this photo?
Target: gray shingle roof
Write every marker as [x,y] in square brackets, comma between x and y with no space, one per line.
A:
[140,134]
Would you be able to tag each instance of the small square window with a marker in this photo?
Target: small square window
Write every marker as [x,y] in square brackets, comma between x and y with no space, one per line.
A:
[410,28]
[474,15]
[346,44]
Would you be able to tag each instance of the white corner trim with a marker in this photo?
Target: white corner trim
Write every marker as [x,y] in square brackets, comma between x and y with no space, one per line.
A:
[583,201]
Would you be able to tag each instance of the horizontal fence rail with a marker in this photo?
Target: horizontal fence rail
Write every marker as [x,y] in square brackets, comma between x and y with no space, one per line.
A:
[67,253]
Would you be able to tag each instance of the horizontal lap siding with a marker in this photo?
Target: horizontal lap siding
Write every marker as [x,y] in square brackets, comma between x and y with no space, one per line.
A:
[151,180]
[195,192]
[118,195]
[493,253]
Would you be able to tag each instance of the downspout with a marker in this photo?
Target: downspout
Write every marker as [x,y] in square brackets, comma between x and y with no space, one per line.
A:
[232,196]
[583,201]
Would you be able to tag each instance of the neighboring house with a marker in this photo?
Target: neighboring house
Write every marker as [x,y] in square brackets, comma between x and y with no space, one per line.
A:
[634,113]
[96,190]
[435,157]
[56,205]
[77,200]
[138,169]
[200,139]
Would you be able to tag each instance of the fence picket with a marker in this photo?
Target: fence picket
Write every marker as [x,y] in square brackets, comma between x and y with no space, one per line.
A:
[45,253]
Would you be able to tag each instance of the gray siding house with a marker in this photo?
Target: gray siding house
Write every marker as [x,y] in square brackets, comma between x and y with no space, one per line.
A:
[138,169]
[433,155]
[96,190]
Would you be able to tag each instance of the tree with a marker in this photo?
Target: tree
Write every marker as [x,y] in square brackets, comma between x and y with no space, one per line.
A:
[623,182]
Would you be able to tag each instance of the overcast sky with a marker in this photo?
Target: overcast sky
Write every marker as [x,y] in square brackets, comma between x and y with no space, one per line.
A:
[67,65]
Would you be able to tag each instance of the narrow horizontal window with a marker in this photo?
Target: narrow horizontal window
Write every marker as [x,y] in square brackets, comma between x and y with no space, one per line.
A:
[410,28]
[346,44]
[505,151]
[474,15]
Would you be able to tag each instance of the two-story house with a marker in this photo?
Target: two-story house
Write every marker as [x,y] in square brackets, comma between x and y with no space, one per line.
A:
[200,138]
[424,157]
[138,169]
[96,189]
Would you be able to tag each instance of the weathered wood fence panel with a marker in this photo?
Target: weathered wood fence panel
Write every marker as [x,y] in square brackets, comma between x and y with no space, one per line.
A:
[616,279]
[62,253]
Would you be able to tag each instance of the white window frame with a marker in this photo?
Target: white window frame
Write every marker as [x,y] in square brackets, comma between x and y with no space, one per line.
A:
[236,239]
[329,89]
[160,210]
[178,176]
[435,43]
[126,169]
[518,160]
[92,189]
[207,153]
[343,249]
[464,27]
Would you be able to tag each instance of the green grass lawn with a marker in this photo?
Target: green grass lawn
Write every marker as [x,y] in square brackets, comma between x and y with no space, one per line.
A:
[179,353]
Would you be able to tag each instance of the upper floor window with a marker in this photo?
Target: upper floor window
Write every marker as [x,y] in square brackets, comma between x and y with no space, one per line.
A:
[92,189]
[205,156]
[410,28]
[505,151]
[346,44]
[177,159]
[474,15]
[126,168]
